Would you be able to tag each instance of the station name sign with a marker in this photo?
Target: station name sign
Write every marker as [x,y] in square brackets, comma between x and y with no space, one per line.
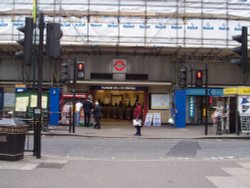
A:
[130,88]
[118,88]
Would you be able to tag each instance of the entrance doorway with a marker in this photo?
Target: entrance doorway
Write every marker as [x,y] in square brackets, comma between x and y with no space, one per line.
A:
[118,105]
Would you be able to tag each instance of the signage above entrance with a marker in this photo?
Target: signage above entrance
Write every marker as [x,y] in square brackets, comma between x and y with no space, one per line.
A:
[119,66]
[118,88]
[202,91]
[237,91]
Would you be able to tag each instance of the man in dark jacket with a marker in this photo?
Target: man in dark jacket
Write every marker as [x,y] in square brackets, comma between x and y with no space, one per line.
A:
[87,107]
[97,115]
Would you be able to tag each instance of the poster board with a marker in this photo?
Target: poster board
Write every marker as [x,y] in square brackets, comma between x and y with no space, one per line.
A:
[244,112]
[244,105]
[21,103]
[148,119]
[152,119]
[27,100]
[159,101]
[157,119]
[9,100]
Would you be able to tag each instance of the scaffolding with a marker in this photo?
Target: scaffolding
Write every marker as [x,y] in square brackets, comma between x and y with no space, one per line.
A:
[141,23]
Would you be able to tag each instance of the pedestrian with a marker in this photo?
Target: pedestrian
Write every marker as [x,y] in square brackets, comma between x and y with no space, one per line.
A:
[137,121]
[97,112]
[87,107]
[78,108]
[173,112]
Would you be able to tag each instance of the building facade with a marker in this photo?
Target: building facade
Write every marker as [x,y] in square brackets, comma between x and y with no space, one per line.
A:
[131,49]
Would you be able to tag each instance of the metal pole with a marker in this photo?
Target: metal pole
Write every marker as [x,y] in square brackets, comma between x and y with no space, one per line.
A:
[39,83]
[206,120]
[192,77]
[70,120]
[74,94]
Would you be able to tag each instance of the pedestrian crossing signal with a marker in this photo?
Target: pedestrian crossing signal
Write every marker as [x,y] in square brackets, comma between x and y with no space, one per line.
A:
[198,78]
[80,71]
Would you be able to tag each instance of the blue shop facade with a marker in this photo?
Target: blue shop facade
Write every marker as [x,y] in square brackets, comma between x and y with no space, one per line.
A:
[191,105]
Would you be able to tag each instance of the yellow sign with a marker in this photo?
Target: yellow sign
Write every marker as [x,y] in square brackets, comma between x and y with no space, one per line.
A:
[230,91]
[236,91]
[244,91]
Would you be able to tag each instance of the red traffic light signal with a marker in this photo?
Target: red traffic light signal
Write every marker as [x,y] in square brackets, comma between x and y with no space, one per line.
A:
[199,78]
[80,71]
[199,74]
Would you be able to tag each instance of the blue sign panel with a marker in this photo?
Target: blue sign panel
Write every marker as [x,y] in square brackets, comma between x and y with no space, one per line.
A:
[54,96]
[202,91]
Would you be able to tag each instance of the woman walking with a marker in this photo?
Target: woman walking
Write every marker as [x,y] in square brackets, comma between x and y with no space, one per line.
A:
[137,119]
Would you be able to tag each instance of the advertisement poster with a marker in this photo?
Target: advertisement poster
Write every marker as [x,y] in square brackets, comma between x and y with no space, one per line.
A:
[157,119]
[159,101]
[148,119]
[9,99]
[33,101]
[21,104]
[244,111]
[244,105]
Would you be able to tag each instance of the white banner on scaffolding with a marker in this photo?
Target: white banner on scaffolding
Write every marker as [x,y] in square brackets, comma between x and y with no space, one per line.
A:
[104,28]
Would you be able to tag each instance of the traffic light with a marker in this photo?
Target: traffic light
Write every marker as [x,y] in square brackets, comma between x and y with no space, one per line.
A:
[242,50]
[80,74]
[26,42]
[198,78]
[64,72]
[183,77]
[54,34]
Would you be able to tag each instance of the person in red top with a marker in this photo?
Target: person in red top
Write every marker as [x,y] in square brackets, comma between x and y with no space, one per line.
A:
[137,116]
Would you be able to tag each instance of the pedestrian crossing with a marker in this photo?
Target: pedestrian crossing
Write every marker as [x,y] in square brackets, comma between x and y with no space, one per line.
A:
[237,177]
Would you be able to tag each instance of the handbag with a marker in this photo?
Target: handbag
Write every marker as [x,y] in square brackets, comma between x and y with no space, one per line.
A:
[137,122]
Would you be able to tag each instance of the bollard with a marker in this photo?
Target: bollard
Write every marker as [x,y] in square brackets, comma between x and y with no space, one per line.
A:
[219,126]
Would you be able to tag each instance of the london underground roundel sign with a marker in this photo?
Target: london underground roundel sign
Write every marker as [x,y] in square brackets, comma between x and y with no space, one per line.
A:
[119,65]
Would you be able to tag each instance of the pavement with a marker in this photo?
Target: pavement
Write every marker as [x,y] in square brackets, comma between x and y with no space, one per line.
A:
[125,129]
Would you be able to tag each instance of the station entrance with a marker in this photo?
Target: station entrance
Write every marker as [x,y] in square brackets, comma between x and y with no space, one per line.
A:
[119,102]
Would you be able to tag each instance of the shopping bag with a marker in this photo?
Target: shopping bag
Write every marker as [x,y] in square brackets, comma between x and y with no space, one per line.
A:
[137,122]
[171,120]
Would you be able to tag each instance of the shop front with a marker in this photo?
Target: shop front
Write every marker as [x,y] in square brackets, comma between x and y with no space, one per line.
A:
[191,105]
[238,109]
[196,104]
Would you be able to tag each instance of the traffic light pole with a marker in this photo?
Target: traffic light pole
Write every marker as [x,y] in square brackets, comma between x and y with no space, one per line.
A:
[38,124]
[74,94]
[206,120]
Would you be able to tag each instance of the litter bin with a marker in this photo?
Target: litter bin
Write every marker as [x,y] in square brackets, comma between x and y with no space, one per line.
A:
[12,139]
